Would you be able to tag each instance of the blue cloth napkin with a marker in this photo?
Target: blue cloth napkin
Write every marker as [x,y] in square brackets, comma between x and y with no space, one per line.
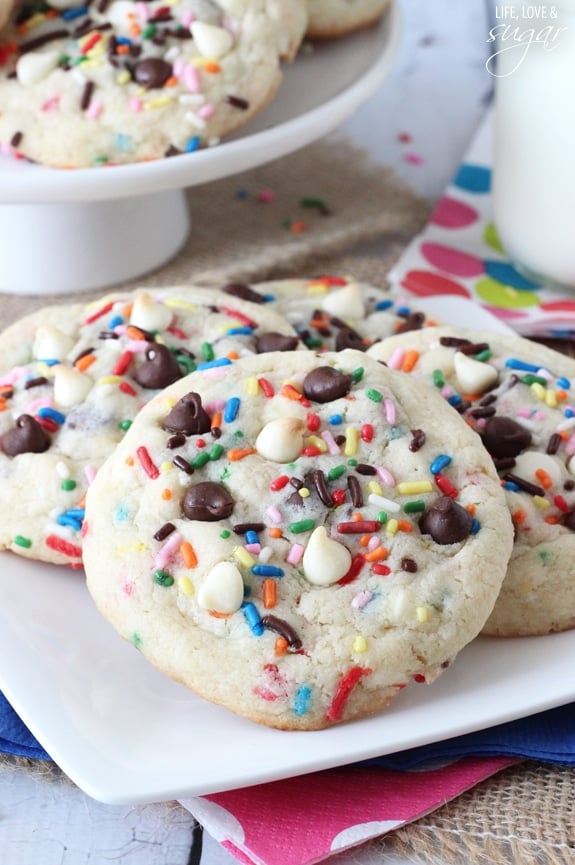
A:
[548,737]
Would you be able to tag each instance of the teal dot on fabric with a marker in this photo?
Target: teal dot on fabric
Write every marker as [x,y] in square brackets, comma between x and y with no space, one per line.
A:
[473,178]
[504,272]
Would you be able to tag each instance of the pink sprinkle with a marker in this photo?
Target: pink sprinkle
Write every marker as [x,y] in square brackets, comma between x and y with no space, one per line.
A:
[481,423]
[414,158]
[361,600]
[570,445]
[94,109]
[523,412]
[373,543]
[206,111]
[5,148]
[446,391]
[544,373]
[396,359]
[539,415]
[274,514]
[40,402]
[138,346]
[331,443]
[385,475]
[143,11]
[89,474]
[192,79]
[255,549]
[390,412]
[294,556]
[168,551]
[12,377]
[128,588]
[265,196]
[178,67]
[215,372]
[187,18]
[135,104]
[217,405]
[50,104]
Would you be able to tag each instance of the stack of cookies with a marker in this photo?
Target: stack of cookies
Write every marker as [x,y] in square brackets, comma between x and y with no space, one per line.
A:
[297,497]
[119,81]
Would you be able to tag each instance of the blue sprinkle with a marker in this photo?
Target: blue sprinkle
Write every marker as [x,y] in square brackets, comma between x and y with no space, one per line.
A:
[473,178]
[475,526]
[238,331]
[509,485]
[70,14]
[242,193]
[115,322]
[302,700]
[65,520]
[335,419]
[252,537]
[383,304]
[210,364]
[232,408]
[51,413]
[192,144]
[121,514]
[514,363]
[123,40]
[403,310]
[124,142]
[267,571]
[563,383]
[454,399]
[49,361]
[76,513]
[439,463]
[253,619]
[569,412]
[269,298]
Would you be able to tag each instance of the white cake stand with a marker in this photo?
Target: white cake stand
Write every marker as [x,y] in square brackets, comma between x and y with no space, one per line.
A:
[74,230]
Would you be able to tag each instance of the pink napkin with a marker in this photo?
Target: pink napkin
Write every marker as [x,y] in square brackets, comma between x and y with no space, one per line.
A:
[305,819]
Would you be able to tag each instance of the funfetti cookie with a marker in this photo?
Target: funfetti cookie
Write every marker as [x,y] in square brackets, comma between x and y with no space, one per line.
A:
[331,313]
[329,19]
[518,396]
[122,81]
[72,378]
[328,534]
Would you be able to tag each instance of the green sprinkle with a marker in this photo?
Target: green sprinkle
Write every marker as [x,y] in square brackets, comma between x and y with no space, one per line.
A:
[186,362]
[352,462]
[64,60]
[374,394]
[414,507]
[125,425]
[200,460]
[534,379]
[68,485]
[302,526]
[216,452]
[484,355]
[207,351]
[101,160]
[225,534]
[77,60]
[357,374]
[438,379]
[313,202]
[149,32]
[21,541]
[225,474]
[285,223]
[136,640]
[163,578]
[239,434]
[336,472]
[382,517]
[313,342]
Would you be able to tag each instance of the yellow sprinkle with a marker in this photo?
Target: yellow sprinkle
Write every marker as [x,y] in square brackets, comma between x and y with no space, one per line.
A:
[123,77]
[391,527]
[251,385]
[542,503]
[317,287]
[178,303]
[374,488]
[166,467]
[130,549]
[242,556]
[551,398]
[538,390]
[35,20]
[186,586]
[351,441]
[44,369]
[422,614]
[158,102]
[303,492]
[169,402]
[110,379]
[411,488]
[360,645]
[317,442]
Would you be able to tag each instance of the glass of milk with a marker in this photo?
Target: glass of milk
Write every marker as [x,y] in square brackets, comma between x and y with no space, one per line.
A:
[534,160]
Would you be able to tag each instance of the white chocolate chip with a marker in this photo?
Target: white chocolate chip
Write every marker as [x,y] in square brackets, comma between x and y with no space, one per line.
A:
[325,561]
[150,315]
[474,376]
[213,42]
[71,386]
[281,439]
[36,65]
[571,466]
[527,463]
[345,302]
[223,589]
[51,343]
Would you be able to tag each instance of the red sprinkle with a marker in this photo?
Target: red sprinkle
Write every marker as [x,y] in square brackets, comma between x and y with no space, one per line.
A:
[176,331]
[147,463]
[356,565]
[331,280]
[89,43]
[62,546]
[99,313]
[346,685]
[279,483]
[382,570]
[560,503]
[359,527]
[123,363]
[338,497]
[446,486]
[47,423]
[266,386]
[126,387]
[234,313]
[313,422]
[311,451]
[367,432]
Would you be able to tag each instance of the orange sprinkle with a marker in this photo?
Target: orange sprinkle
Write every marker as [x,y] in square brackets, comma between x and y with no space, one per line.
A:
[171,81]
[564,434]
[210,66]
[122,49]
[470,509]
[297,227]
[544,478]
[236,454]
[232,355]
[471,397]
[404,526]
[134,332]
[52,13]
[269,593]
[84,362]
[166,494]
[129,461]
[217,615]
[519,516]
[135,29]
[280,646]
[188,554]
[552,519]
[376,555]
[561,395]
[3,403]
[410,359]
[290,392]
[364,540]
[275,533]
[216,419]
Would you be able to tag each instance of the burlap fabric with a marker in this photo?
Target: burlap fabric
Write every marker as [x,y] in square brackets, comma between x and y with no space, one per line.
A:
[307,214]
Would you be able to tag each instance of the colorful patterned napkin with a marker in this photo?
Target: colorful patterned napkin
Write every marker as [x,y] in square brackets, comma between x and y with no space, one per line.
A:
[459,254]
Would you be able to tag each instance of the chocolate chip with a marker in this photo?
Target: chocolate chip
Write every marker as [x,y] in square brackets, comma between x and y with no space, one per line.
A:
[347,337]
[188,416]
[413,321]
[152,72]
[325,384]
[208,502]
[27,437]
[275,342]
[504,437]
[159,369]
[446,521]
[244,292]
[569,520]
